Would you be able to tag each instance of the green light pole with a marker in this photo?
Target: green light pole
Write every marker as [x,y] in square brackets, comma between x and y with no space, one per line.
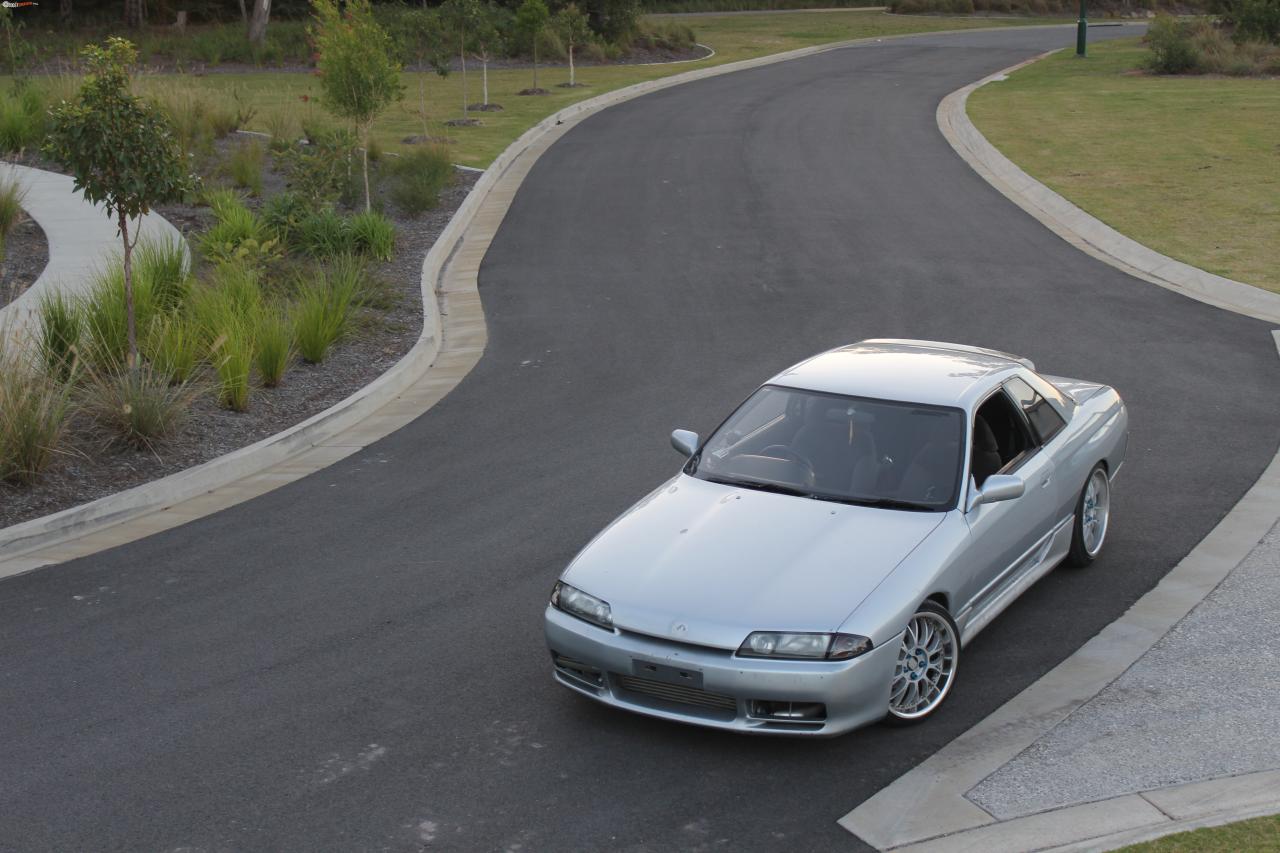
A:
[1082,29]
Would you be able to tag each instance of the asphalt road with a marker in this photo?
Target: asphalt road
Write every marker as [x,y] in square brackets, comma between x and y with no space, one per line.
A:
[355,662]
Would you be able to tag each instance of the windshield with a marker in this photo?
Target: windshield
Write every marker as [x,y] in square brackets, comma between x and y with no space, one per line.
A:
[830,447]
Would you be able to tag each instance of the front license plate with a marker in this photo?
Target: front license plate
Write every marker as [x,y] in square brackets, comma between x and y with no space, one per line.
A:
[683,676]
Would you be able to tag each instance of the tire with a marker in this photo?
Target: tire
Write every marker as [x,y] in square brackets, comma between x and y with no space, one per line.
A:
[1093,516]
[925,671]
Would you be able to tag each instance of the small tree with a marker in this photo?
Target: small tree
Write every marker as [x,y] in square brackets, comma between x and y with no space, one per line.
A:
[358,74]
[121,151]
[531,22]
[490,39]
[571,25]
[461,16]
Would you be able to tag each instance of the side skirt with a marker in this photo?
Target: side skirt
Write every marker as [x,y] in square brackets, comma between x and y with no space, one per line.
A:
[1038,562]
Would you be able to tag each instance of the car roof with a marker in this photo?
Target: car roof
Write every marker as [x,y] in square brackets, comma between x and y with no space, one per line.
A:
[930,372]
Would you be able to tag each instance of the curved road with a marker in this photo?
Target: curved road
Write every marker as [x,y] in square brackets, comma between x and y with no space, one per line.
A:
[354,662]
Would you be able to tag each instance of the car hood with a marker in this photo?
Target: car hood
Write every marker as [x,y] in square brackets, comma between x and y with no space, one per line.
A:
[706,563]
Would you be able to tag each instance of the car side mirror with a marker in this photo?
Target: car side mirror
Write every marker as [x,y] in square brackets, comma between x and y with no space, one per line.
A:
[996,488]
[685,441]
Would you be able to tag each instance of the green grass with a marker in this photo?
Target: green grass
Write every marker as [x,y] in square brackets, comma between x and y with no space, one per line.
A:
[1185,165]
[34,414]
[734,37]
[60,330]
[373,235]
[11,194]
[273,344]
[1260,835]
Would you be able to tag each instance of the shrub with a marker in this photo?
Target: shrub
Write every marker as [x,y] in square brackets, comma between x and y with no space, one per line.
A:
[1258,20]
[174,347]
[11,195]
[139,406]
[273,340]
[34,413]
[1172,51]
[324,234]
[322,170]
[245,167]
[420,175]
[239,234]
[373,235]
[325,308]
[283,213]
[60,327]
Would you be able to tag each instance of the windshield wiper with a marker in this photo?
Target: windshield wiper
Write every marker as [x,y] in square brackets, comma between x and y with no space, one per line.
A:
[759,486]
[878,503]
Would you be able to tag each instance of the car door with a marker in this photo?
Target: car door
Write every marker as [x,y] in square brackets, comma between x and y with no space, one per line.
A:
[1009,537]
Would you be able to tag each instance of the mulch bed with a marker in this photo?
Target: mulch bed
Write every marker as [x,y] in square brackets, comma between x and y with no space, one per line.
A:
[26,254]
[88,468]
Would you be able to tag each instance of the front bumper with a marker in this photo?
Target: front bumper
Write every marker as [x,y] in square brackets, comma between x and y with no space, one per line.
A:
[712,687]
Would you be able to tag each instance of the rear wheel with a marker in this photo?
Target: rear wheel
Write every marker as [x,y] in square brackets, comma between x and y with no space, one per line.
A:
[1093,512]
[926,666]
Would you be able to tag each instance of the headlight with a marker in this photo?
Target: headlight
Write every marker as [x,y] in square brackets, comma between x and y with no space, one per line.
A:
[578,603]
[786,646]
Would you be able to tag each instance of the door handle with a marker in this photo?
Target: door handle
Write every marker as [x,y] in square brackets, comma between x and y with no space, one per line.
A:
[1045,482]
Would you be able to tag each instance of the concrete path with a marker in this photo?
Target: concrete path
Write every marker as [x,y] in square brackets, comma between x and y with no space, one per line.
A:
[355,660]
[81,239]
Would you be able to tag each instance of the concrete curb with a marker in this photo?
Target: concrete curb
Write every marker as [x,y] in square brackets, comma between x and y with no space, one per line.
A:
[451,343]
[81,238]
[940,816]
[1084,231]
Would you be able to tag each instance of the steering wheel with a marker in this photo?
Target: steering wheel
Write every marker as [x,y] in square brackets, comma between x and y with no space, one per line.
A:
[784,452]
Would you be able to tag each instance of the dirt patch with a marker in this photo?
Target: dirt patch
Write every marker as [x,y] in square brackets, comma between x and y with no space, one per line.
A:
[533,92]
[26,254]
[485,108]
[463,122]
[88,469]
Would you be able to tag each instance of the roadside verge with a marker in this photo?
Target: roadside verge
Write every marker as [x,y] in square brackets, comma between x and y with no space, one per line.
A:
[928,809]
[1083,231]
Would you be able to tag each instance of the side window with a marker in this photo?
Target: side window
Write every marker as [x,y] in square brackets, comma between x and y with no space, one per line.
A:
[1044,418]
[1000,439]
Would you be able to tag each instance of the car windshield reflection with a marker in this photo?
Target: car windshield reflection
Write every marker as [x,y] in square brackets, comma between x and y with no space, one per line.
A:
[878,453]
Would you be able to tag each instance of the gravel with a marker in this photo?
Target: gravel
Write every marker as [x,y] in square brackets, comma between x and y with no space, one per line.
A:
[1199,705]
[88,468]
[26,253]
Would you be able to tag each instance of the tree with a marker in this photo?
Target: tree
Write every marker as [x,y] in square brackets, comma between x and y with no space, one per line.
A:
[531,22]
[423,35]
[489,40]
[571,24]
[461,16]
[121,151]
[258,25]
[358,74]
[135,13]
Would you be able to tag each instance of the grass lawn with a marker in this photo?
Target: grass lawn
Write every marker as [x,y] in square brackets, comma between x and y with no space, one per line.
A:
[1261,835]
[734,37]
[1189,166]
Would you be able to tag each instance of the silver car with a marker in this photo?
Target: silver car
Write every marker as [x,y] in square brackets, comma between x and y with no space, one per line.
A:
[823,557]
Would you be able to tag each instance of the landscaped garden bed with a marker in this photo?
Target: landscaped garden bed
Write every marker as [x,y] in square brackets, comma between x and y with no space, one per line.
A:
[294,298]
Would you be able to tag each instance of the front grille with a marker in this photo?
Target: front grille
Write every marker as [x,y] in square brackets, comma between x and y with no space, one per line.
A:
[676,693]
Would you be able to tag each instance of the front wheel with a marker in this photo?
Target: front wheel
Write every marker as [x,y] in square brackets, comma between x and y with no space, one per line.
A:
[926,668]
[1093,512]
